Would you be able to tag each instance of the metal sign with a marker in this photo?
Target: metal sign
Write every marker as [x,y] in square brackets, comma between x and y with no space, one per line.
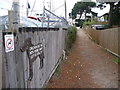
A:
[9,43]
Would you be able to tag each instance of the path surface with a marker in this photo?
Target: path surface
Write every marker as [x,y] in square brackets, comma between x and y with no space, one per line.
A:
[87,66]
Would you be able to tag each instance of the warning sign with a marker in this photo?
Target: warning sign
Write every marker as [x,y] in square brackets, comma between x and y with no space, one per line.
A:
[9,43]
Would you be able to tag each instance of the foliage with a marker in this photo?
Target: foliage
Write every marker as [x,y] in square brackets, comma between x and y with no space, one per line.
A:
[85,7]
[94,22]
[71,37]
[81,7]
[57,71]
[88,23]
[116,15]
[113,17]
[94,14]
[117,61]
[79,22]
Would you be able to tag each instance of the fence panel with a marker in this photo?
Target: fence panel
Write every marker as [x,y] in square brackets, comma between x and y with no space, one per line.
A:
[107,38]
[19,67]
[1,59]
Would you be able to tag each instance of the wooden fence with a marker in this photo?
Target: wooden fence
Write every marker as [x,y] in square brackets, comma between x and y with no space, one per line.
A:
[0,59]
[20,69]
[108,38]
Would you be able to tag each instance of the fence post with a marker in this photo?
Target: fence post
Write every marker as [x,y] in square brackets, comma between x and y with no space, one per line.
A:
[16,15]
[10,17]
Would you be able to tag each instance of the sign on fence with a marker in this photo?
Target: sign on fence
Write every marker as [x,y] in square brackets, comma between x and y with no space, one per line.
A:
[9,43]
[33,51]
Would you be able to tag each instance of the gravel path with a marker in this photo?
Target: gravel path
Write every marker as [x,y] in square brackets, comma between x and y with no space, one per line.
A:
[87,66]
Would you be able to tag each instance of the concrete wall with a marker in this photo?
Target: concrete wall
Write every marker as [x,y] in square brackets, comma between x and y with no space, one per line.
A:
[17,65]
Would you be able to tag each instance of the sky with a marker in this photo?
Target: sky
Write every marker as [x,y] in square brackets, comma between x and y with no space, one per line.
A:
[38,7]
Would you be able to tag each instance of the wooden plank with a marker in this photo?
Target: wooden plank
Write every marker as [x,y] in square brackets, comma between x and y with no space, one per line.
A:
[17,66]
[5,73]
[28,83]
[10,17]
[119,43]
[1,59]
[106,38]
[20,61]
[25,61]
[11,70]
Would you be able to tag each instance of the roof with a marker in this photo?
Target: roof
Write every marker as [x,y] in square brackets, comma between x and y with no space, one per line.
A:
[103,15]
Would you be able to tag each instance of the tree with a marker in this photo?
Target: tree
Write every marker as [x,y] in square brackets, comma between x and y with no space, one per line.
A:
[80,8]
[111,11]
[116,14]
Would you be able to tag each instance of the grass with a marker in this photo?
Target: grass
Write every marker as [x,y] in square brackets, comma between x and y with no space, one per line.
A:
[70,38]
[93,40]
[69,62]
[94,22]
[117,61]
[57,71]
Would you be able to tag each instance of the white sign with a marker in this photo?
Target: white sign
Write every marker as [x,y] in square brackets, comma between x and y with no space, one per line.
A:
[9,43]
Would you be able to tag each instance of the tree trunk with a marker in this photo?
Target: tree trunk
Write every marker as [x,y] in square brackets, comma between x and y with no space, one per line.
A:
[110,13]
[80,15]
[85,15]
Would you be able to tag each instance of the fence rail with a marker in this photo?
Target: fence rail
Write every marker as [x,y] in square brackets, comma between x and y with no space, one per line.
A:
[18,64]
[107,38]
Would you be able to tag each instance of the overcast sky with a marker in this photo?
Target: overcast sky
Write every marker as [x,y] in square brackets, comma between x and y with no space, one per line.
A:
[55,4]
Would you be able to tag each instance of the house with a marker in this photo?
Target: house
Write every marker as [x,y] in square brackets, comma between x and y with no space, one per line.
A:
[103,18]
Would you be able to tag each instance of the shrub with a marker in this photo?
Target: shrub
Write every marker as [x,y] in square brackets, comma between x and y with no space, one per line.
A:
[71,37]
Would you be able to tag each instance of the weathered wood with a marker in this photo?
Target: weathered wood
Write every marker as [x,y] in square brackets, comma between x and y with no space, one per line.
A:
[108,38]
[119,42]
[1,59]
[10,17]
[17,65]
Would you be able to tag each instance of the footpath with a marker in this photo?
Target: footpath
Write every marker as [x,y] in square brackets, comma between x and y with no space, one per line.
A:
[87,66]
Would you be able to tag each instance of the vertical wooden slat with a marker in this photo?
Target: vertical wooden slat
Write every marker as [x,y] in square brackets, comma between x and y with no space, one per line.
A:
[16,64]
[107,38]
[1,59]
[118,38]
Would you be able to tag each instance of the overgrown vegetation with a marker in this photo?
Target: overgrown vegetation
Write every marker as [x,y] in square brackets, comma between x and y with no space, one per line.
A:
[89,23]
[80,8]
[117,61]
[71,37]
[57,71]
[113,12]
[94,22]
[84,8]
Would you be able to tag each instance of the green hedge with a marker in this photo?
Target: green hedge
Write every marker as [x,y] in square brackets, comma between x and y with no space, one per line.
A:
[71,37]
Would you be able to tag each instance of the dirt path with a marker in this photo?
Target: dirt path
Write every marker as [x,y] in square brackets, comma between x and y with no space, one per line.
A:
[87,66]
